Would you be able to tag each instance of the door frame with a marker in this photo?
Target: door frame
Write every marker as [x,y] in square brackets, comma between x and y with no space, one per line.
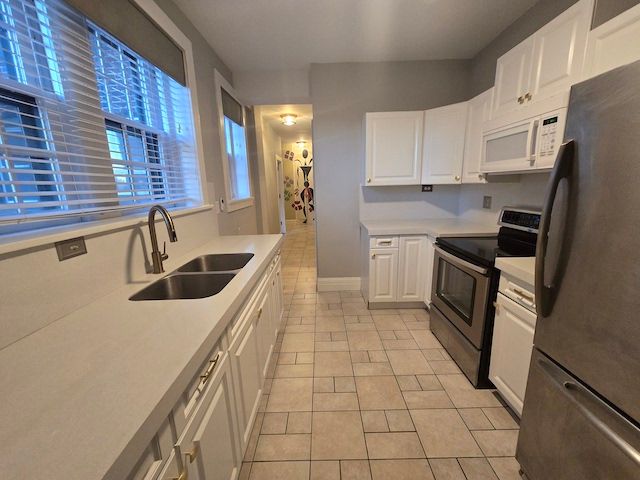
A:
[280,181]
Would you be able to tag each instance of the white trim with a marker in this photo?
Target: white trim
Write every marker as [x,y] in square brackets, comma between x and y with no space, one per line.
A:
[151,8]
[337,284]
[11,243]
[229,205]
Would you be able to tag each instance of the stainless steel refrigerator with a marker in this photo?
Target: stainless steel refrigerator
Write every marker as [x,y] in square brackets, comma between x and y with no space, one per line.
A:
[581,417]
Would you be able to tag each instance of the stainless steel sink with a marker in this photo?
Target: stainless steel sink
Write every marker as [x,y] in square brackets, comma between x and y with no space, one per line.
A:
[188,286]
[222,262]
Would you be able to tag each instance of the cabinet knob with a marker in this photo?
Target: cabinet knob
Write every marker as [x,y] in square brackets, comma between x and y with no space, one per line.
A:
[481,176]
[528,96]
[520,100]
[457,177]
[373,255]
[368,180]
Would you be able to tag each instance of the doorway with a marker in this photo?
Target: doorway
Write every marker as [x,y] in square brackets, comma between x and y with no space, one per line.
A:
[280,181]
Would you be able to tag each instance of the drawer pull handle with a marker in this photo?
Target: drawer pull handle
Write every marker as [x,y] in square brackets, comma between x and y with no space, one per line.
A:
[526,296]
[210,369]
[385,242]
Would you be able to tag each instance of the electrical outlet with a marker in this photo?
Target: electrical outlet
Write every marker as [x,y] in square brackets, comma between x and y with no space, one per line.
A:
[427,188]
[486,201]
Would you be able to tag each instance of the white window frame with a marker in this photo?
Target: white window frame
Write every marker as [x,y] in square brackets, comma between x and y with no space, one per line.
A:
[230,205]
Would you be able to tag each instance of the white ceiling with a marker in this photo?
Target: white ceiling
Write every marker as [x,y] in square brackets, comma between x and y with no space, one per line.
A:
[300,131]
[252,35]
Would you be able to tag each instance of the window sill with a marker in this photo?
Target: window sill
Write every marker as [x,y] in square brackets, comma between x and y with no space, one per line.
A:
[23,241]
[238,204]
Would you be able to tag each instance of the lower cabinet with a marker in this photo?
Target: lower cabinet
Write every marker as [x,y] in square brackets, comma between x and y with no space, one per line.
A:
[429,255]
[383,275]
[412,273]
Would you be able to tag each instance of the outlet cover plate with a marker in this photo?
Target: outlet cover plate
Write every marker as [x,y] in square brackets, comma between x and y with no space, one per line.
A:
[71,248]
[486,201]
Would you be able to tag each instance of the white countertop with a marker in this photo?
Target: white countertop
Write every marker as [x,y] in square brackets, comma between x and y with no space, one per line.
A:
[435,227]
[80,395]
[522,268]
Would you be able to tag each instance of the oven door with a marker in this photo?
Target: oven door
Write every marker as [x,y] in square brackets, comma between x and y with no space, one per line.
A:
[460,290]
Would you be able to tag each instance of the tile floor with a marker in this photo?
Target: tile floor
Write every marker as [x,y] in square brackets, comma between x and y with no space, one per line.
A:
[355,394]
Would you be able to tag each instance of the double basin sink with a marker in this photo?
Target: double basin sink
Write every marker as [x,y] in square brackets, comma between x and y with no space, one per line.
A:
[204,276]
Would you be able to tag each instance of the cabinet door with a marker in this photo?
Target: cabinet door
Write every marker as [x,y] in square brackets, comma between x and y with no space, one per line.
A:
[559,52]
[479,112]
[429,256]
[244,352]
[513,71]
[208,448]
[511,350]
[443,146]
[394,148]
[383,275]
[266,332]
[614,43]
[411,269]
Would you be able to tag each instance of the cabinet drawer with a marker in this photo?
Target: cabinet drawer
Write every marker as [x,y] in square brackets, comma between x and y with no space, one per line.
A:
[383,242]
[157,454]
[518,291]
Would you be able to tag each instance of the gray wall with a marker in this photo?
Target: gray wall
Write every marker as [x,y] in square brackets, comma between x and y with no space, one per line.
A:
[341,94]
[607,9]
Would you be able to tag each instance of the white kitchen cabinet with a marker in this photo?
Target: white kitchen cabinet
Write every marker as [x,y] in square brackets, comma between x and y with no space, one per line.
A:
[383,275]
[208,448]
[394,148]
[511,350]
[479,112]
[411,271]
[513,74]
[247,378]
[428,263]
[545,64]
[614,43]
[443,145]
[264,325]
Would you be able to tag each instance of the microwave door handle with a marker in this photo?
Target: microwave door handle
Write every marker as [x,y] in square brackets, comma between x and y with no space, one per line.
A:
[562,169]
[531,140]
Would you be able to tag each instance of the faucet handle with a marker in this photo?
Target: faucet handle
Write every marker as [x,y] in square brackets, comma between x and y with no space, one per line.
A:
[164,255]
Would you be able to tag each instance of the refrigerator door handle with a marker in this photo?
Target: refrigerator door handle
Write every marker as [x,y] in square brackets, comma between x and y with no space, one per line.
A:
[562,169]
[581,397]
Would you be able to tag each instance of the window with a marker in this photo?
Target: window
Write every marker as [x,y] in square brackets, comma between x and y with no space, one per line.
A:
[112,135]
[238,181]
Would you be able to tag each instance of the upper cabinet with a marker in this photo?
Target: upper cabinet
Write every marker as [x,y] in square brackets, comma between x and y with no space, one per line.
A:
[479,111]
[545,64]
[443,147]
[614,43]
[394,148]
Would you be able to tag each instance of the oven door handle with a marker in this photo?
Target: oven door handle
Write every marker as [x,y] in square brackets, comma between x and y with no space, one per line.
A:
[463,263]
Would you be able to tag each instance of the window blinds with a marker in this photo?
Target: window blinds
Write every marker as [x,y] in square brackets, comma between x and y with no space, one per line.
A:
[86,125]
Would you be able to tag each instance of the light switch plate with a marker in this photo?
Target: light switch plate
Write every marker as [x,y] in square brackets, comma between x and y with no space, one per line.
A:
[70,248]
[486,201]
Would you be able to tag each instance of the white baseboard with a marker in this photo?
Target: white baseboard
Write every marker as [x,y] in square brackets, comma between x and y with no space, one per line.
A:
[337,284]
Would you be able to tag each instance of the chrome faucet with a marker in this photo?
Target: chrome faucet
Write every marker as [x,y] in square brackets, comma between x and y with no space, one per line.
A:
[156,256]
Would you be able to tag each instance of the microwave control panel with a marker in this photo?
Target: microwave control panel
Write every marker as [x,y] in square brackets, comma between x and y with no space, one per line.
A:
[550,135]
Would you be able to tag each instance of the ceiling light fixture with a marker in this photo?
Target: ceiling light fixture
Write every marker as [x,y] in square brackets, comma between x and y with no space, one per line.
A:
[288,119]
[301,143]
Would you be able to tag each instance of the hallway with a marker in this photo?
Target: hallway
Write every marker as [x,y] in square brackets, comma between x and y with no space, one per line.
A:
[355,394]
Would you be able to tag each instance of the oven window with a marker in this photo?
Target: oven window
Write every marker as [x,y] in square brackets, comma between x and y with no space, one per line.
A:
[457,289]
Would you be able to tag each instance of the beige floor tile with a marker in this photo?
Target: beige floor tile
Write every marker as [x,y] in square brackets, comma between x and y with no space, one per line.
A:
[425,339]
[252,443]
[399,421]
[359,356]
[434,354]
[408,362]
[477,469]
[416,469]
[429,382]
[500,418]
[329,324]
[306,328]
[475,419]
[497,443]
[283,447]
[444,367]
[299,422]
[245,471]
[408,382]
[280,471]
[446,469]
[403,335]
[331,346]
[344,384]
[297,342]
[339,336]
[379,393]
[323,337]
[325,470]
[375,421]
[378,356]
[427,399]
[290,395]
[506,468]
[355,470]
[389,322]
[337,435]
[323,385]
[473,398]
[369,369]
[332,364]
[333,402]
[387,335]
[364,340]
[286,358]
[394,445]
[274,423]
[360,327]
[455,382]
[294,371]
[444,434]
[400,345]
[304,358]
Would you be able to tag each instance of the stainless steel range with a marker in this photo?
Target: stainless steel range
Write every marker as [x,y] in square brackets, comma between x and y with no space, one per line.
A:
[465,284]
